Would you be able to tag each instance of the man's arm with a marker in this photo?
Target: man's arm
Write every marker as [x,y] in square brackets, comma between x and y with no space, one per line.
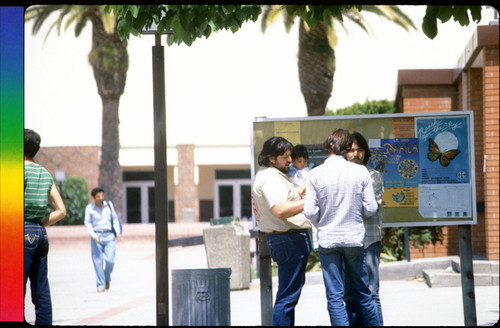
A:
[370,205]
[288,208]
[88,225]
[311,208]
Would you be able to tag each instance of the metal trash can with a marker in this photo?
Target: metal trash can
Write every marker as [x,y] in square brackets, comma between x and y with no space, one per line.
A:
[200,297]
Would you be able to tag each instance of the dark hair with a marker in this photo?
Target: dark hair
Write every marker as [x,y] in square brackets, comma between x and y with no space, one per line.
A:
[299,151]
[338,142]
[358,139]
[273,147]
[96,190]
[31,143]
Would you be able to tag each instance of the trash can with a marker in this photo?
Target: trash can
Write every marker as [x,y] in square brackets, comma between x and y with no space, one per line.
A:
[200,297]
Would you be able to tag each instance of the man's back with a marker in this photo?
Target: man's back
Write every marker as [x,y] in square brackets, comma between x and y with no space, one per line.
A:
[344,193]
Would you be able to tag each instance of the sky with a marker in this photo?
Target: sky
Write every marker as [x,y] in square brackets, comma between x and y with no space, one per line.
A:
[218,85]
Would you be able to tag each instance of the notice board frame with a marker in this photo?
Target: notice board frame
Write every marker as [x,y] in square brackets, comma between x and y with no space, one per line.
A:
[401,131]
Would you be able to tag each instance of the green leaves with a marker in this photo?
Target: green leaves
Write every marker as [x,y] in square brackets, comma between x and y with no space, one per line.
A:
[190,22]
[444,13]
[186,22]
[369,107]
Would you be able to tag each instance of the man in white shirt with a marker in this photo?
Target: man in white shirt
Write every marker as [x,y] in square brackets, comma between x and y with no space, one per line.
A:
[338,195]
[100,221]
[278,210]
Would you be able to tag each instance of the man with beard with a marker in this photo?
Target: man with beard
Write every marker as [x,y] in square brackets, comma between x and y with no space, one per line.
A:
[278,210]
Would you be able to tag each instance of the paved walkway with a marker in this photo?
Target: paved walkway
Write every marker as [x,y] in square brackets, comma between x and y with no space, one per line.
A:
[131,299]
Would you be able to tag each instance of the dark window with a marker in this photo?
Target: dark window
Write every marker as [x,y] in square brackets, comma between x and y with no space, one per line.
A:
[232,174]
[225,201]
[138,176]
[133,204]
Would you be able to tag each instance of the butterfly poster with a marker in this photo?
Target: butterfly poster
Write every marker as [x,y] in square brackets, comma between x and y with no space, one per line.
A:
[444,155]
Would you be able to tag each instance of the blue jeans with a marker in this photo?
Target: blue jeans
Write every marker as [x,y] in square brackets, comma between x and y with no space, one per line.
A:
[36,249]
[372,264]
[353,259]
[103,257]
[290,251]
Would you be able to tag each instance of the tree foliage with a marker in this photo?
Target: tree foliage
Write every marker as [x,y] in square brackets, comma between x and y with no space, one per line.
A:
[368,107]
[444,13]
[75,195]
[393,245]
[186,23]
[182,23]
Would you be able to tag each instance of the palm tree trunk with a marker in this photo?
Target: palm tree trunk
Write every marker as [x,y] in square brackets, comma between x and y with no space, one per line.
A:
[110,172]
[109,61]
[316,67]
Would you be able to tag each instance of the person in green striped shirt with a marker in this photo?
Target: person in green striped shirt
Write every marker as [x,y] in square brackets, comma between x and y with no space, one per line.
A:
[39,191]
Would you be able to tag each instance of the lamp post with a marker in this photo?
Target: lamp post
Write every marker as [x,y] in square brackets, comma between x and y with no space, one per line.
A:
[160,170]
[60,177]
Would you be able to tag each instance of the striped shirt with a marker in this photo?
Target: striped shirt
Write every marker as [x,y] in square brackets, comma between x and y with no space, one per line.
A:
[373,224]
[37,184]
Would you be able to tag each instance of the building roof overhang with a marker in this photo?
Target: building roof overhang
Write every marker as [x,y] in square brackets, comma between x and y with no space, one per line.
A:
[484,35]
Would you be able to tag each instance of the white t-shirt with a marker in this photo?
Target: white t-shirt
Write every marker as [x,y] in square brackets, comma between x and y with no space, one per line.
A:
[270,188]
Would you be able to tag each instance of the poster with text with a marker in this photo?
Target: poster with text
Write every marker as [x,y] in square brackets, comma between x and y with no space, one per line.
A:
[397,160]
[444,156]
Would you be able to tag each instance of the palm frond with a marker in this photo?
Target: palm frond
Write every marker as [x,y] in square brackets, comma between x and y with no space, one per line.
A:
[271,13]
[108,21]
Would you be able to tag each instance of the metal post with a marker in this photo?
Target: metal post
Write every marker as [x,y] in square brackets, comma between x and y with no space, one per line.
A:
[161,198]
[407,244]
[467,274]
[266,281]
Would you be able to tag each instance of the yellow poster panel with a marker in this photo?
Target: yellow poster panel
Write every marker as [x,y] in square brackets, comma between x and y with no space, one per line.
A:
[400,197]
[290,130]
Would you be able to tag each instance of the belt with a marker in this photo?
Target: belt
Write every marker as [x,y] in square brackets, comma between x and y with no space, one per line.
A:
[288,231]
[103,231]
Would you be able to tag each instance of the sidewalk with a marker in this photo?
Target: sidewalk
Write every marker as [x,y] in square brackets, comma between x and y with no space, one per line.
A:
[131,300]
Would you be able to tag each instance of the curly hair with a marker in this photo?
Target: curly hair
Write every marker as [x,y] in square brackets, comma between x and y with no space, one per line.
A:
[338,142]
[273,147]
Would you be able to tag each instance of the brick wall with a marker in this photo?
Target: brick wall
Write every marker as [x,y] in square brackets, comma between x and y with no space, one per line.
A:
[491,149]
[186,191]
[475,104]
[429,98]
[75,161]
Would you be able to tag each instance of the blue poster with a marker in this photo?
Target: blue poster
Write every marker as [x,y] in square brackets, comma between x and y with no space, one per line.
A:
[444,156]
[397,160]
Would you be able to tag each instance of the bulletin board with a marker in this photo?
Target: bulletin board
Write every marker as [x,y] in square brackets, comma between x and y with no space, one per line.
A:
[426,160]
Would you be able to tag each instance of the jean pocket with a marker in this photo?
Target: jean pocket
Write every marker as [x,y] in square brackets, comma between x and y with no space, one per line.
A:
[31,240]
[279,251]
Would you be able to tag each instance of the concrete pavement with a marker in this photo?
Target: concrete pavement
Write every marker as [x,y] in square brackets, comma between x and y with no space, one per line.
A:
[131,299]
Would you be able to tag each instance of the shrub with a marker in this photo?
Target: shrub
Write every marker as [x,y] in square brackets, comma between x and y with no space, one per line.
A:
[75,196]
[369,107]
[393,246]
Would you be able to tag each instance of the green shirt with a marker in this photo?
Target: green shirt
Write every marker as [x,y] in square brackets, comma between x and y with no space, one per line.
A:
[37,184]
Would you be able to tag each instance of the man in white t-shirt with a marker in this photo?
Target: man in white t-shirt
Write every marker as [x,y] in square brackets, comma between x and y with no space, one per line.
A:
[278,211]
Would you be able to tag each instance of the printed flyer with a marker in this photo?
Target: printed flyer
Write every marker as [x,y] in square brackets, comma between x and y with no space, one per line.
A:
[398,161]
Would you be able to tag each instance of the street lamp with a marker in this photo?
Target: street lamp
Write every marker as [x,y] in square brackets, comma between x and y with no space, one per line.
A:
[60,177]
[160,170]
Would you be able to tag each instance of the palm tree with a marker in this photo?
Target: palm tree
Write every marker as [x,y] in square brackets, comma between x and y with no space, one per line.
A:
[316,57]
[109,60]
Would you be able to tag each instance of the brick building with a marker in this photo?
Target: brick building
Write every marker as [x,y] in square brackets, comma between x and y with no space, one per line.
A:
[472,85]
